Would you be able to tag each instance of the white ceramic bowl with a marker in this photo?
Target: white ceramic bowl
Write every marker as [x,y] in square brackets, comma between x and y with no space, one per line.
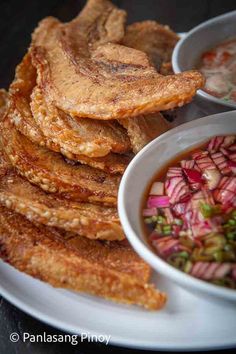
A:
[189,49]
[139,173]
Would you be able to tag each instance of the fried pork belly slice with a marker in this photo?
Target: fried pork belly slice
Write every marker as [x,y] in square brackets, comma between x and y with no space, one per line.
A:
[143,129]
[3,102]
[92,221]
[19,101]
[84,72]
[156,40]
[21,115]
[109,270]
[52,173]
[88,137]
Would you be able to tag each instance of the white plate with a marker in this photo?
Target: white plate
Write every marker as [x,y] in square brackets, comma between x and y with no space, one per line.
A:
[187,322]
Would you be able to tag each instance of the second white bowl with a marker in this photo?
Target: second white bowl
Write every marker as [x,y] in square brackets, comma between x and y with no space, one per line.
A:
[139,173]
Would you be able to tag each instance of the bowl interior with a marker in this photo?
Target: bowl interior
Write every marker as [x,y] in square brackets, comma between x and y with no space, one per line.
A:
[147,163]
[187,53]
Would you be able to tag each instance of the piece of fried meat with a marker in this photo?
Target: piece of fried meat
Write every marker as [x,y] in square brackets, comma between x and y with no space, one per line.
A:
[110,270]
[53,174]
[85,73]
[143,129]
[92,138]
[21,116]
[156,40]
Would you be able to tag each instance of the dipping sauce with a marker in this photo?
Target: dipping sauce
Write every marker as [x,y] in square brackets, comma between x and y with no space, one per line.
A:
[189,213]
[218,65]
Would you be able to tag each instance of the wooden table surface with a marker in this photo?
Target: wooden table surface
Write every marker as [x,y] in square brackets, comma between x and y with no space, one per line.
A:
[17,20]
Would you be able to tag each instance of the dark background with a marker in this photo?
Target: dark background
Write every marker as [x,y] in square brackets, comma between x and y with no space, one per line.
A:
[17,20]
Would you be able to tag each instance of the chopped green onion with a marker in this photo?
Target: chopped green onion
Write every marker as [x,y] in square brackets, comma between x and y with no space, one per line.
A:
[232,222]
[178,222]
[218,256]
[158,229]
[148,220]
[161,219]
[188,267]
[231,235]
[208,210]
[183,254]
[167,227]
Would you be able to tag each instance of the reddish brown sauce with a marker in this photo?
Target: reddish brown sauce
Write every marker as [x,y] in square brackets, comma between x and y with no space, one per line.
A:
[218,65]
[189,211]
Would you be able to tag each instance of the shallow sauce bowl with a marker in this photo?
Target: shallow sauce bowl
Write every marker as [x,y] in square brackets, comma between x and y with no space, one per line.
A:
[188,51]
[137,177]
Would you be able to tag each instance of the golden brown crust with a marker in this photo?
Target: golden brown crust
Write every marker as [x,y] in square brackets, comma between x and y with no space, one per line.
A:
[86,75]
[21,116]
[3,102]
[53,174]
[156,40]
[18,194]
[110,270]
[144,129]
[92,221]
[92,138]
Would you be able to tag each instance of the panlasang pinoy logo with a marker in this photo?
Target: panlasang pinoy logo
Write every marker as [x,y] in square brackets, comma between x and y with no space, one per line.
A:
[73,339]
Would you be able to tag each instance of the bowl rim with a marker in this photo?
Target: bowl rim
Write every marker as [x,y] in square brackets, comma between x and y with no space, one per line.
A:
[144,251]
[185,38]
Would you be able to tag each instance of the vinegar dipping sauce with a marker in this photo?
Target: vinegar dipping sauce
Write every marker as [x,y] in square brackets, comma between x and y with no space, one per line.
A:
[218,65]
[189,212]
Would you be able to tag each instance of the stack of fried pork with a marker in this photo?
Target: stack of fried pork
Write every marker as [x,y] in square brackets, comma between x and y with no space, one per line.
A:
[86,97]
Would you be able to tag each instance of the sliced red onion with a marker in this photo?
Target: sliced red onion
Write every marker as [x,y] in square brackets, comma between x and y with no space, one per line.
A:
[180,208]
[154,236]
[224,151]
[228,141]
[222,271]
[234,273]
[204,161]
[167,247]
[149,212]
[187,163]
[201,229]
[196,268]
[174,172]
[232,157]
[226,192]
[212,177]
[232,166]
[199,154]
[185,198]
[169,216]
[176,188]
[221,162]
[202,196]
[192,175]
[232,147]
[202,270]
[209,272]
[215,143]
[219,142]
[227,208]
[158,202]
[195,186]
[157,188]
